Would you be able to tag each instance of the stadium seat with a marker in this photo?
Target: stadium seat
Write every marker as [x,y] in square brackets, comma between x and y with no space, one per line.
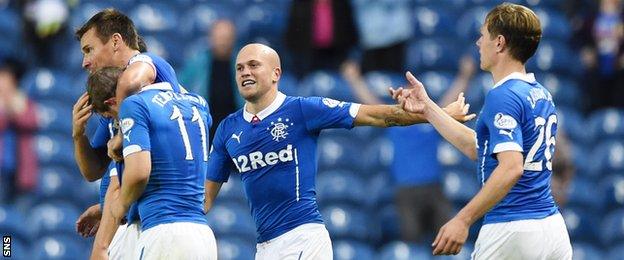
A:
[162,45]
[581,224]
[53,116]
[378,155]
[460,186]
[328,84]
[404,251]
[565,92]
[585,251]
[469,23]
[573,122]
[341,187]
[607,124]
[389,222]
[612,188]
[436,82]
[200,18]
[52,218]
[433,21]
[54,150]
[8,19]
[554,56]
[379,81]
[450,158]
[57,183]
[612,229]
[266,19]
[352,250]
[432,54]
[554,24]
[59,247]
[339,153]
[11,222]
[608,157]
[20,250]
[45,84]
[583,193]
[381,189]
[544,3]
[232,191]
[232,220]
[155,17]
[480,85]
[289,85]
[347,222]
[615,252]
[233,248]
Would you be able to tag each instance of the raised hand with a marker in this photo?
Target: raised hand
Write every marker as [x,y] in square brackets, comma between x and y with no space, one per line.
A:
[80,114]
[416,98]
[114,146]
[89,222]
[459,109]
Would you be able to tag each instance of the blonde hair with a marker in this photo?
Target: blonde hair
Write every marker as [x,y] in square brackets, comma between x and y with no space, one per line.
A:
[519,25]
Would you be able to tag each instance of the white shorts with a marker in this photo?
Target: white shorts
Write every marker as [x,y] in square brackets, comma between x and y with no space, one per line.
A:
[545,238]
[124,242]
[308,241]
[180,240]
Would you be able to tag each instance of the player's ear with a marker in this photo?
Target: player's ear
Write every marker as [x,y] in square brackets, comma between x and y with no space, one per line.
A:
[501,43]
[277,73]
[117,40]
[110,102]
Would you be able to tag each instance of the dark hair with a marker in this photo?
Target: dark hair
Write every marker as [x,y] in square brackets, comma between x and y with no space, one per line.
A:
[101,85]
[108,22]
[141,43]
[519,25]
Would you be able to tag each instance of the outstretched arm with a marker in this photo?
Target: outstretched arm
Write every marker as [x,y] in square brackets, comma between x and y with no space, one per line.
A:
[212,190]
[136,76]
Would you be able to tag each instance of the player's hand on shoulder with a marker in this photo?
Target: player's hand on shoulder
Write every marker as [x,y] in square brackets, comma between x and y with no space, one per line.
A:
[114,146]
[89,222]
[80,114]
[459,109]
[451,237]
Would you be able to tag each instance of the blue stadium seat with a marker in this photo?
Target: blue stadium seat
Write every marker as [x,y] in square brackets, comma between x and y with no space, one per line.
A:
[612,229]
[348,222]
[328,84]
[581,224]
[607,124]
[582,193]
[378,155]
[469,23]
[155,17]
[45,84]
[20,250]
[11,222]
[352,250]
[162,45]
[341,187]
[379,81]
[460,186]
[565,92]
[57,183]
[199,19]
[433,21]
[54,116]
[9,18]
[264,19]
[339,153]
[86,10]
[615,252]
[608,157]
[543,3]
[381,189]
[232,191]
[233,248]
[584,251]
[52,218]
[390,223]
[432,54]
[574,125]
[451,158]
[554,24]
[480,85]
[457,5]
[612,188]
[436,82]
[55,150]
[59,247]
[232,220]
[554,56]
[289,85]
[404,251]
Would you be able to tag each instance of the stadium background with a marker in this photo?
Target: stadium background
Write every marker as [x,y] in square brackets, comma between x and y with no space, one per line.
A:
[354,188]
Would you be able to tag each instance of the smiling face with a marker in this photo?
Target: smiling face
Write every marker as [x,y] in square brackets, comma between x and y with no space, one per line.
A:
[257,71]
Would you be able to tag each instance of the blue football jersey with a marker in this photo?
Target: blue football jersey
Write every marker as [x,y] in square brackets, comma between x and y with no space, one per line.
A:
[174,128]
[164,71]
[519,115]
[276,158]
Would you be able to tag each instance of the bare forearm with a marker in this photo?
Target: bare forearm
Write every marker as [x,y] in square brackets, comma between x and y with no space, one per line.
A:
[212,189]
[131,190]
[459,135]
[494,190]
[91,162]
[386,116]
[108,225]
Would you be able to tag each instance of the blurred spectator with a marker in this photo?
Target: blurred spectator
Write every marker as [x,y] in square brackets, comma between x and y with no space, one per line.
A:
[385,27]
[44,24]
[601,39]
[320,34]
[18,124]
[415,168]
[210,73]
[563,169]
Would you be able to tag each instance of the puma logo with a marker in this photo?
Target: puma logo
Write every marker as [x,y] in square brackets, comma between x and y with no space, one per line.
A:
[237,137]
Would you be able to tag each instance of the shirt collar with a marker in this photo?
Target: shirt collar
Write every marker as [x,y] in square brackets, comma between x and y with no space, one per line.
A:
[164,86]
[529,78]
[277,102]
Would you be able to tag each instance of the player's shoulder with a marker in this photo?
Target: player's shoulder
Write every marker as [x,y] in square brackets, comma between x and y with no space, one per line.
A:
[232,119]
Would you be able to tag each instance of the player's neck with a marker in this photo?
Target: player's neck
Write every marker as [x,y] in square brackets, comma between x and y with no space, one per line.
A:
[125,55]
[254,107]
[506,67]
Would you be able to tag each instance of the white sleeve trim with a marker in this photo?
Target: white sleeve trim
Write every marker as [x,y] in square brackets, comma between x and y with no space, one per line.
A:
[353,110]
[131,149]
[507,146]
[143,58]
[113,172]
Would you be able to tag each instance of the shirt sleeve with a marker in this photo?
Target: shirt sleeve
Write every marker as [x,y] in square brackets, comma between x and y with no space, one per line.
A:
[321,113]
[502,114]
[103,132]
[134,122]
[143,58]
[219,160]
